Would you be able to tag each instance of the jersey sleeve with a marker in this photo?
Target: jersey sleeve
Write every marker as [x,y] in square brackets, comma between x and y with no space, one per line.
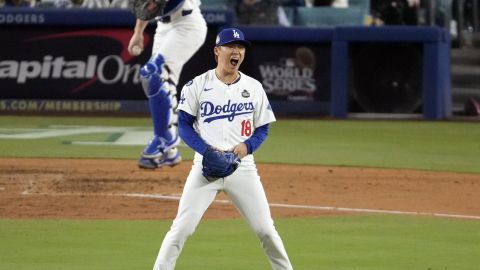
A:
[263,111]
[188,99]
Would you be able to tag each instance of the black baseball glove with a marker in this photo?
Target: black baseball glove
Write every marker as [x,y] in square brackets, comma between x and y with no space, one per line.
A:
[219,164]
[146,9]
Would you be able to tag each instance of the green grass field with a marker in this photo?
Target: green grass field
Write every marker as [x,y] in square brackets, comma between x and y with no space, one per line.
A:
[367,242]
[340,243]
[441,146]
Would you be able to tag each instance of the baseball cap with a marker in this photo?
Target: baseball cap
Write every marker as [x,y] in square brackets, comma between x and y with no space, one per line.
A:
[231,35]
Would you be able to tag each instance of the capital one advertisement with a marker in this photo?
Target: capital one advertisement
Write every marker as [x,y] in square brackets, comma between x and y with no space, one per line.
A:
[64,69]
[69,64]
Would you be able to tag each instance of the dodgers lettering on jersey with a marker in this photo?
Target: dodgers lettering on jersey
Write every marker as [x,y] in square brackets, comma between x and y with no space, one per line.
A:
[229,110]
[226,115]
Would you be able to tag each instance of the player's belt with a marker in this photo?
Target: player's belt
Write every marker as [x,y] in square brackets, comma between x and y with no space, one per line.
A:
[169,18]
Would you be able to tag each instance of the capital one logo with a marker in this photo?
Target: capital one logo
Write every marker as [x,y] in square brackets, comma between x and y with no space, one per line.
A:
[85,66]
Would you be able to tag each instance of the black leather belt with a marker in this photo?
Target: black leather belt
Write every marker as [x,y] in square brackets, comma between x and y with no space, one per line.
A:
[168,18]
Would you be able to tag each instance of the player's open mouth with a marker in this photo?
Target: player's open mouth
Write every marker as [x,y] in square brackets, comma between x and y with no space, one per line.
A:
[234,62]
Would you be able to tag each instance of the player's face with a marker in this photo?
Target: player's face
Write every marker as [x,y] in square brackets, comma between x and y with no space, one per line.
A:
[230,56]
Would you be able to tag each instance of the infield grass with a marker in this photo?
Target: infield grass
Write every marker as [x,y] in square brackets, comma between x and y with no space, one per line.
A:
[339,243]
[442,146]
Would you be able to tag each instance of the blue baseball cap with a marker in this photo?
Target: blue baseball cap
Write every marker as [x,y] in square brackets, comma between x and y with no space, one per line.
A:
[231,35]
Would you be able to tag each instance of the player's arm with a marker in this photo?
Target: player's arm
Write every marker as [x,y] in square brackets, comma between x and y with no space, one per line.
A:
[188,133]
[137,37]
[257,138]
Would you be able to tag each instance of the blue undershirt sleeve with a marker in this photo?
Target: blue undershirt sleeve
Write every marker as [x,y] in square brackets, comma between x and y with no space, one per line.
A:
[188,133]
[257,138]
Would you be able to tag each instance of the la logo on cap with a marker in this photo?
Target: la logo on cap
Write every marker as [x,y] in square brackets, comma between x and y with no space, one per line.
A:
[236,34]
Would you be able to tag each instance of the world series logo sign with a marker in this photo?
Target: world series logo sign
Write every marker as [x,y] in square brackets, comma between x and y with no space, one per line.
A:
[286,79]
[291,72]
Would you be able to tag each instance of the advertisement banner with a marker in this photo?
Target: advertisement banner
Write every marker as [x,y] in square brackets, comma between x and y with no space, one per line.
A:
[70,64]
[87,17]
[59,63]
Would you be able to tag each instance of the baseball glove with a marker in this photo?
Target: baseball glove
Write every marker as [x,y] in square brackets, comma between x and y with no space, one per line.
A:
[219,164]
[146,9]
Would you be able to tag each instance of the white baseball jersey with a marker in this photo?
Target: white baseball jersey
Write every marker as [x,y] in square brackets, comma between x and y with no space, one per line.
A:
[226,115]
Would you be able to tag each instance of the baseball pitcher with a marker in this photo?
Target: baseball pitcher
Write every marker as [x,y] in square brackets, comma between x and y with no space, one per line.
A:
[224,115]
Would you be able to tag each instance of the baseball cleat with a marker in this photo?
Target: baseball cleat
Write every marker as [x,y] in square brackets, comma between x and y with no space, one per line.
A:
[157,146]
[171,158]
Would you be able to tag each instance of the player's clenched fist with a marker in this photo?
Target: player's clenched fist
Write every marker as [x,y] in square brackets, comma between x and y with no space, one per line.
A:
[135,46]
[240,150]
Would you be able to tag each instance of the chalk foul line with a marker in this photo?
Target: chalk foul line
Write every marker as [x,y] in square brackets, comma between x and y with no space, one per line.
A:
[278,205]
[316,207]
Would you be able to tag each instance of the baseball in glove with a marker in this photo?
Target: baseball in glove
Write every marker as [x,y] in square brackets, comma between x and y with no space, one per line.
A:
[146,9]
[219,164]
